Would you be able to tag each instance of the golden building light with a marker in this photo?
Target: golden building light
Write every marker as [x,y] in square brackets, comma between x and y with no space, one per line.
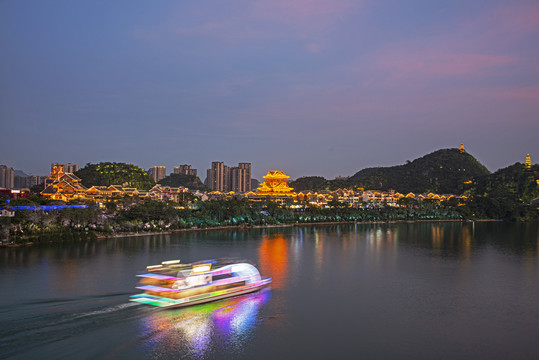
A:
[528,162]
[275,184]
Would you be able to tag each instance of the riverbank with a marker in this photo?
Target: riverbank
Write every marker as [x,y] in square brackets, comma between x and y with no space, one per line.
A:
[102,237]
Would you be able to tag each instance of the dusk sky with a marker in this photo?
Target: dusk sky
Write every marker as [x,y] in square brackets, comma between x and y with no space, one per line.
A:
[310,87]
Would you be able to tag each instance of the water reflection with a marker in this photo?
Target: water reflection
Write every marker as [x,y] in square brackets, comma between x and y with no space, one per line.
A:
[273,257]
[223,327]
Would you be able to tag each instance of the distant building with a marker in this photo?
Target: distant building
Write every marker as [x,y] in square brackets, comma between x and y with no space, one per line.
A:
[240,178]
[68,168]
[215,176]
[158,173]
[7,177]
[224,178]
[28,181]
[20,181]
[185,170]
[71,168]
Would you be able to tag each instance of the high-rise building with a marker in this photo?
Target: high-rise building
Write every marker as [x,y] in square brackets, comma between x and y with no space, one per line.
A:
[68,168]
[215,177]
[225,178]
[185,169]
[71,168]
[158,173]
[7,177]
[240,178]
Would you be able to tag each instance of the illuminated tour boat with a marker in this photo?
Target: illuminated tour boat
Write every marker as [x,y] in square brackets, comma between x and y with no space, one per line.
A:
[172,284]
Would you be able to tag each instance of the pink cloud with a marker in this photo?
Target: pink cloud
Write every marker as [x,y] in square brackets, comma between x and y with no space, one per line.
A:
[516,19]
[432,62]
[511,93]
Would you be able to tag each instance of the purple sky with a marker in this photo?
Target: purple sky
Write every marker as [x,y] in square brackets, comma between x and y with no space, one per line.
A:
[311,87]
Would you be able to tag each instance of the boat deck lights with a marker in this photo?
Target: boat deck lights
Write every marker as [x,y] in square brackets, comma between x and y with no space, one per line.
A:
[201,268]
[158,276]
[171,262]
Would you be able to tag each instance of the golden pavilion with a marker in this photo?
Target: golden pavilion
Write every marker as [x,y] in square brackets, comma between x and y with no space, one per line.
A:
[275,187]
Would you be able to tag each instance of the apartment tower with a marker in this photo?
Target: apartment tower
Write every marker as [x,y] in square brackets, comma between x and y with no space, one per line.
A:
[158,173]
[7,177]
[225,178]
[185,169]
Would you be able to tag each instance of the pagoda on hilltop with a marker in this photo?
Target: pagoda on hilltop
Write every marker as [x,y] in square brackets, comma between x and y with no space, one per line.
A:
[528,162]
[275,187]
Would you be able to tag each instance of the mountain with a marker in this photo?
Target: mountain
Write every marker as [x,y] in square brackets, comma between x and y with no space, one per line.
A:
[515,182]
[443,171]
[506,194]
[107,173]
[20,173]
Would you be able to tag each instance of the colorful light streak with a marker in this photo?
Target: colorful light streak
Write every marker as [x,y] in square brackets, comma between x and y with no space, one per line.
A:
[217,326]
[164,292]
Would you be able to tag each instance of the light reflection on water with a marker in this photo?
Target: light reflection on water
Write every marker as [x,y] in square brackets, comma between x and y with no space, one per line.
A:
[406,290]
[225,326]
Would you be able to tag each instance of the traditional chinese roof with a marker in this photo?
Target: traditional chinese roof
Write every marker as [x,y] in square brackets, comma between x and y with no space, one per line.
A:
[49,190]
[276,175]
[275,184]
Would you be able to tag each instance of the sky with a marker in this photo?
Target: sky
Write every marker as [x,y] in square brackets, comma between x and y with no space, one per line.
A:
[310,87]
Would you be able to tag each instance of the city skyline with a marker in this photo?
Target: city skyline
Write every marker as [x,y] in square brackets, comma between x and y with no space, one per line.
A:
[313,87]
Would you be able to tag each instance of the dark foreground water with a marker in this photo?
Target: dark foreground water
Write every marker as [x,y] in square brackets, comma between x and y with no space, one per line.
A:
[395,291]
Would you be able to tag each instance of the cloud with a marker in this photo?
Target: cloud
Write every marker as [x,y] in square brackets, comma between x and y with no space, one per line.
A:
[303,11]
[492,45]
[432,62]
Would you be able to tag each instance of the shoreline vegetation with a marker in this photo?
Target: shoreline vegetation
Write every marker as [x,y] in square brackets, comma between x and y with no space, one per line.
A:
[99,237]
[127,218]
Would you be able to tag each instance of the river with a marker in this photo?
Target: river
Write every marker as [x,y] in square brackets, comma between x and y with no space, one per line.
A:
[373,291]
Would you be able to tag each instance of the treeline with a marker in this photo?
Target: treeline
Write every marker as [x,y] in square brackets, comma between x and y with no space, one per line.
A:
[111,173]
[148,216]
[191,182]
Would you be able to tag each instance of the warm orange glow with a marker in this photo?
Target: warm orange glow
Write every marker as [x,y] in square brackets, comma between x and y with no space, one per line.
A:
[275,184]
[273,255]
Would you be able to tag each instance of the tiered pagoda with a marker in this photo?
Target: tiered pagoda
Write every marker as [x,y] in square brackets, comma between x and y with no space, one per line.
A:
[275,187]
[63,186]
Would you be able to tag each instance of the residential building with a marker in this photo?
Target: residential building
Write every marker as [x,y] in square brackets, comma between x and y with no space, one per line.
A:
[215,177]
[224,178]
[158,173]
[7,177]
[185,169]
[68,168]
[28,181]
[240,178]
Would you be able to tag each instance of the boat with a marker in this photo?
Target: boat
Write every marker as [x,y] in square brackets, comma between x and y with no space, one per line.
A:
[173,284]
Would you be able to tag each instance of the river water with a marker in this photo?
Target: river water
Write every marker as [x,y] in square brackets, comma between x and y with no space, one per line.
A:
[376,291]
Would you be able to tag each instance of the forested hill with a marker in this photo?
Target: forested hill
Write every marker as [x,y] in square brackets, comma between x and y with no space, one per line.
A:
[191,182]
[513,182]
[443,171]
[107,173]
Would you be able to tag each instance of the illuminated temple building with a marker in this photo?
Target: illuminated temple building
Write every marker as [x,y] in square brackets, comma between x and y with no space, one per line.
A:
[275,187]
[62,186]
